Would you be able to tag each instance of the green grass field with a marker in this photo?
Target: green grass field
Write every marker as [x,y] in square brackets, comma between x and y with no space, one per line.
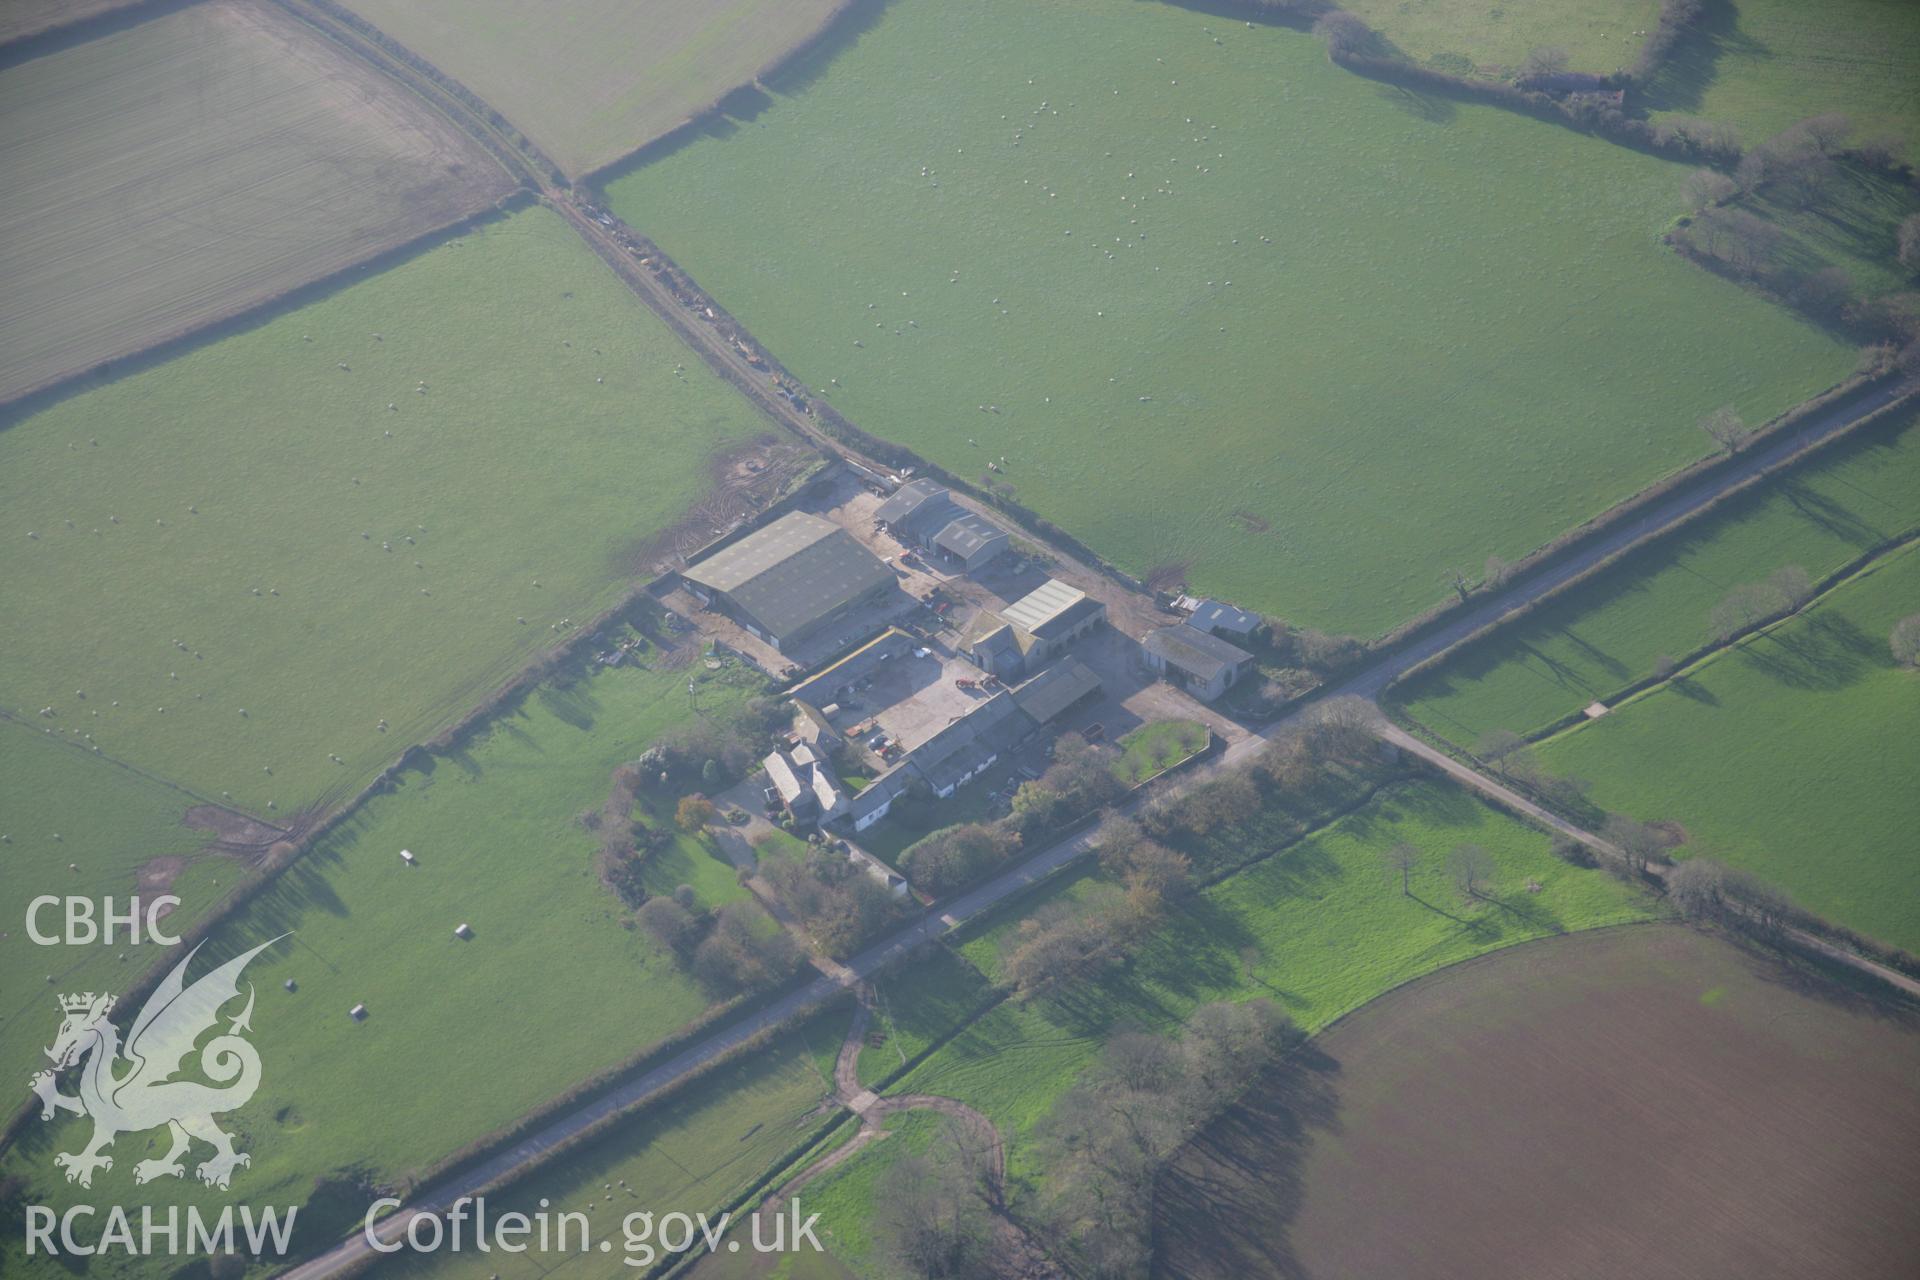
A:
[934,993]
[1155,747]
[1852,227]
[1496,36]
[260,533]
[61,807]
[1792,754]
[1321,928]
[1233,243]
[1766,64]
[591,80]
[552,984]
[1604,635]
[168,174]
[692,1152]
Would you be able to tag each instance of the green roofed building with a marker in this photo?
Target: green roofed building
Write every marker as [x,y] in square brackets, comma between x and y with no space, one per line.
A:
[792,580]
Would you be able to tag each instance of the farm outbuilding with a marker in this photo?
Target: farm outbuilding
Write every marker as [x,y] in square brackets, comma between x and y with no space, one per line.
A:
[971,541]
[924,514]
[1205,665]
[1229,622]
[1057,690]
[1032,631]
[792,579]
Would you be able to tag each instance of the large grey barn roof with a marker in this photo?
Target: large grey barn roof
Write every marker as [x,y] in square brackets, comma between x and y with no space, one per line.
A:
[968,535]
[793,573]
[1194,651]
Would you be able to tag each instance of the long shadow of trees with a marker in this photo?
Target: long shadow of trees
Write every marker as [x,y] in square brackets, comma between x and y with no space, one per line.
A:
[1225,1207]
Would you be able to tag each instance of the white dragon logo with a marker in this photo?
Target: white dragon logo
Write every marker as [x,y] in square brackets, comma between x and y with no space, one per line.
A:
[130,1090]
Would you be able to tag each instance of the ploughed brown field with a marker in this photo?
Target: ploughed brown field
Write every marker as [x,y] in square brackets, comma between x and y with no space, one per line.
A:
[1644,1101]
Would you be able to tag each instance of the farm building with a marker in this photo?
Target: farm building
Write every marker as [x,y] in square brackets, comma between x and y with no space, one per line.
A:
[924,514]
[1057,690]
[805,787]
[915,511]
[1205,665]
[970,541]
[791,580]
[1032,631]
[1229,622]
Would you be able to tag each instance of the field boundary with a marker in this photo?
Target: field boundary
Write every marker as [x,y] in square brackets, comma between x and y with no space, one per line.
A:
[42,396]
[1798,457]
[1824,587]
[67,32]
[672,138]
[1855,569]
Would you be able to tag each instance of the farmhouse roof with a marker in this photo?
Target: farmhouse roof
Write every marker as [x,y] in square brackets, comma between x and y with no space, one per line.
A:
[1054,690]
[968,534]
[1050,608]
[793,573]
[1219,618]
[1193,651]
[784,780]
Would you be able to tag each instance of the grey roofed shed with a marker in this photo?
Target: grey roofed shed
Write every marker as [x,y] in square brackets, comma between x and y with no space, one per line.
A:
[792,575]
[971,538]
[1193,651]
[1057,689]
[915,506]
[1220,619]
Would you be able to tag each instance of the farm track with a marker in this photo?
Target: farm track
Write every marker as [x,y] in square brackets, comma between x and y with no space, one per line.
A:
[1017,1252]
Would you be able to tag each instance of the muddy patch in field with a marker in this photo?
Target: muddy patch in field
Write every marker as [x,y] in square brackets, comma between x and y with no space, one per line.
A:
[742,482]
[232,832]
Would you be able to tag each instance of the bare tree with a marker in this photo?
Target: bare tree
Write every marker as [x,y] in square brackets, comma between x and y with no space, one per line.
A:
[1496,744]
[1457,579]
[1904,641]
[1806,179]
[1907,242]
[1495,573]
[1793,585]
[1824,292]
[1828,131]
[1403,857]
[1705,187]
[1726,428]
[1543,60]
[1343,33]
[1639,843]
[1471,866]
[1741,608]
